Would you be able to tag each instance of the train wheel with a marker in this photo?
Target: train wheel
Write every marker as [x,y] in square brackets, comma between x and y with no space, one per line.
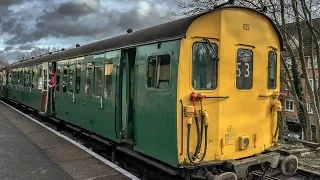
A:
[226,176]
[289,165]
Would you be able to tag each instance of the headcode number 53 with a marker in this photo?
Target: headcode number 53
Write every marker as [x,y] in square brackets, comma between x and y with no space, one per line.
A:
[247,66]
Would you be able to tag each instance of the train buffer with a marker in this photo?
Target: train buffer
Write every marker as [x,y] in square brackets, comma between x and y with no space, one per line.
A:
[30,151]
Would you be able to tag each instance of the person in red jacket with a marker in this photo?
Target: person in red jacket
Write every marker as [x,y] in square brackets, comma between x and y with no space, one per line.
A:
[52,86]
[52,82]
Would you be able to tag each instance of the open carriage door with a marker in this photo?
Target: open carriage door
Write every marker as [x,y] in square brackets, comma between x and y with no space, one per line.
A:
[43,82]
[127,76]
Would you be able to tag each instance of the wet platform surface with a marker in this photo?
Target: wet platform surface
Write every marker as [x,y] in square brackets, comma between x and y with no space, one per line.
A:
[30,151]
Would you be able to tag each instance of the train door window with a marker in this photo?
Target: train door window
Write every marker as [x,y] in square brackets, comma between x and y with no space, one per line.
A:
[88,79]
[65,79]
[33,78]
[29,78]
[58,78]
[108,80]
[18,79]
[158,74]
[25,82]
[272,70]
[40,78]
[71,72]
[244,69]
[78,78]
[97,80]
[26,77]
[9,80]
[204,66]
[13,78]
[45,76]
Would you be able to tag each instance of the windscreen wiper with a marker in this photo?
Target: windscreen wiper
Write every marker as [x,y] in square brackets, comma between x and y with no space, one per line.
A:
[215,54]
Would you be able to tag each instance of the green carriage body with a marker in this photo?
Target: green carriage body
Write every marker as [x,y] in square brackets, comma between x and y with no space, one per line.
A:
[134,112]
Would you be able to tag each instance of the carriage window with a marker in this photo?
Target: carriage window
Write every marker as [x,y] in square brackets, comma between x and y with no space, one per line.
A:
[88,79]
[39,79]
[204,66]
[34,80]
[272,70]
[45,77]
[78,78]
[108,80]
[71,71]
[18,79]
[97,81]
[25,79]
[30,78]
[244,68]
[65,79]
[58,78]
[9,80]
[158,74]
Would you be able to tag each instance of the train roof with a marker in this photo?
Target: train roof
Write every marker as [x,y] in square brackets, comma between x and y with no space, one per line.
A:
[171,30]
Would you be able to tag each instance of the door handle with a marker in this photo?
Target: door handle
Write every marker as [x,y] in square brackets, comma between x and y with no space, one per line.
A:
[30,89]
[73,98]
[101,104]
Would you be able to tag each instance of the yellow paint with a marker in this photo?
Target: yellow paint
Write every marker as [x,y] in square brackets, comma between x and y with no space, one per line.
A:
[244,113]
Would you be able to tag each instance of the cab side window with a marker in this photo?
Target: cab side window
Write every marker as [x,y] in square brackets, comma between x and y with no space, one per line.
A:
[158,74]
[272,70]
[204,66]
[244,69]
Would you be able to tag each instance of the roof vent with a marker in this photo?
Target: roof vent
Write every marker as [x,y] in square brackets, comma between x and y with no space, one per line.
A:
[129,31]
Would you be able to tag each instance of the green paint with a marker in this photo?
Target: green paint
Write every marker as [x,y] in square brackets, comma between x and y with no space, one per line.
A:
[133,113]
[155,112]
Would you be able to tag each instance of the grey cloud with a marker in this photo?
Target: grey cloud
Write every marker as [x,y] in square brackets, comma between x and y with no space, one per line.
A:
[102,24]
[26,47]
[75,9]
[10,56]
[7,3]
[8,48]
[80,22]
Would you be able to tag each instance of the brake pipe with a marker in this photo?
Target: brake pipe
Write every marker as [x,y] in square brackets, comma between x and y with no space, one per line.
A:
[194,98]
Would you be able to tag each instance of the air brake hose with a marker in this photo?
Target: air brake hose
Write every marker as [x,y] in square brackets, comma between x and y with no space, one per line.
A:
[198,149]
[205,145]
[198,137]
[198,129]
[278,125]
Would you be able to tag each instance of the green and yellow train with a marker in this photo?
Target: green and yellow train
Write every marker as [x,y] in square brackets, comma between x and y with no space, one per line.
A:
[192,95]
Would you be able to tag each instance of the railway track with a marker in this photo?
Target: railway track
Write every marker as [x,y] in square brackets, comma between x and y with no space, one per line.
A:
[301,174]
[140,169]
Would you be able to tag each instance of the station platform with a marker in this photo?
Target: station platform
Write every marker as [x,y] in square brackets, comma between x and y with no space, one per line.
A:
[31,151]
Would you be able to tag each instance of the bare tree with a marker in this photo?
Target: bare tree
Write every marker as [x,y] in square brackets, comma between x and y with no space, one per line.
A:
[3,62]
[37,52]
[288,15]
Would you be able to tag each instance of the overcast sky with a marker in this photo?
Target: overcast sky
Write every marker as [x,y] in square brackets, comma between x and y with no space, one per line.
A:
[28,24]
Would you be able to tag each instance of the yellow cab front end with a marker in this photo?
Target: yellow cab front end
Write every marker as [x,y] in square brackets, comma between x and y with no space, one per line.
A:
[232,85]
